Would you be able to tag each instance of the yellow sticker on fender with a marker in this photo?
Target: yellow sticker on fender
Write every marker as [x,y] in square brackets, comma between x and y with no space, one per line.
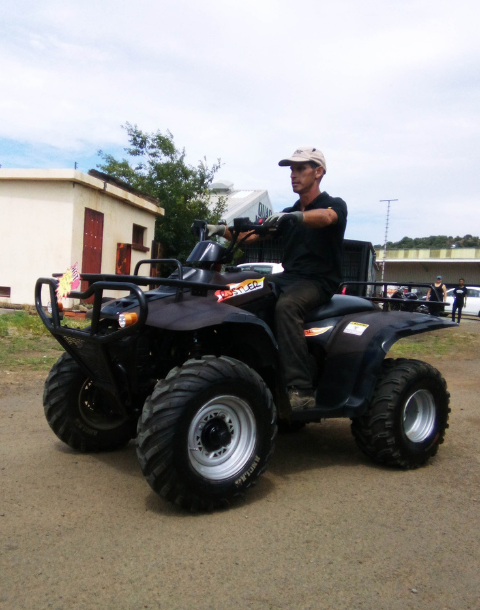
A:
[235,290]
[313,332]
[355,328]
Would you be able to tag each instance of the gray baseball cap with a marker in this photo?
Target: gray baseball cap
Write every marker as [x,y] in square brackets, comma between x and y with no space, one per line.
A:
[304,154]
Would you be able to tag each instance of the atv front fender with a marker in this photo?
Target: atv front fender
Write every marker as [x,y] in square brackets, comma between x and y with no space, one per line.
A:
[194,313]
[355,351]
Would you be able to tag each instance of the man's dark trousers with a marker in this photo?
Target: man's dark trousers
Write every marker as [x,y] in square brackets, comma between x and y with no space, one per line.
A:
[297,298]
[456,308]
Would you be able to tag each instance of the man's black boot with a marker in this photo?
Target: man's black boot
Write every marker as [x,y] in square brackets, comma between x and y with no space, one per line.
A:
[301,399]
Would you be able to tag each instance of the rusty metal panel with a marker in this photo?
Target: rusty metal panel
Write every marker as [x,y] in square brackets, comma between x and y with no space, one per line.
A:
[124,257]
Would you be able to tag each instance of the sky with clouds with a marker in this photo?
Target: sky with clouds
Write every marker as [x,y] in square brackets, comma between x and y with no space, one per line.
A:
[388,89]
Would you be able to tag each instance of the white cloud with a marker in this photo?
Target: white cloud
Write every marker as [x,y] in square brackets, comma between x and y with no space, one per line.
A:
[389,91]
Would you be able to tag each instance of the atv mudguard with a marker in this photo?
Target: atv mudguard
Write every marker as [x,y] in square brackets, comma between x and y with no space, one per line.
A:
[253,337]
[354,361]
[193,313]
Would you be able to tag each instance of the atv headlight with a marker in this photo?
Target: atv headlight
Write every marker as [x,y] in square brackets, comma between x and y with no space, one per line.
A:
[49,307]
[127,319]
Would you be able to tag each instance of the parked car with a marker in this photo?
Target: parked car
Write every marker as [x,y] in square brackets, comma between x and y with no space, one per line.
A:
[262,267]
[473,300]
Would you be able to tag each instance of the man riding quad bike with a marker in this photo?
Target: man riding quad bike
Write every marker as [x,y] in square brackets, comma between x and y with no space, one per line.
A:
[191,370]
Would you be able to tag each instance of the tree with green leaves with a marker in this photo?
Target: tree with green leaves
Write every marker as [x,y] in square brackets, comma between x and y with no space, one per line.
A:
[158,168]
[433,242]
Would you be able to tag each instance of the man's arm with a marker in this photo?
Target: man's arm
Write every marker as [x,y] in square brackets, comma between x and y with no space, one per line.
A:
[320,218]
[316,219]
[444,288]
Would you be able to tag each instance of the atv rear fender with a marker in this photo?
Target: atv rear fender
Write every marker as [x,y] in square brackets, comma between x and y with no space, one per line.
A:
[354,361]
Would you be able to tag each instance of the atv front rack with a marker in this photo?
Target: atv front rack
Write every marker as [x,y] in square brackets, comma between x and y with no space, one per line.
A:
[99,350]
[98,282]
[96,290]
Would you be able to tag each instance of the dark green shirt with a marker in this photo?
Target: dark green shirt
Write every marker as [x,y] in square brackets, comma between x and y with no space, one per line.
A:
[315,254]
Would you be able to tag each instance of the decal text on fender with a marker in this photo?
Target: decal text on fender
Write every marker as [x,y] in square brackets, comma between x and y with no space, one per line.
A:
[235,290]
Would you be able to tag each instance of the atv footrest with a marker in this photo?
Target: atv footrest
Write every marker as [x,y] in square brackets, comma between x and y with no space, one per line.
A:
[312,415]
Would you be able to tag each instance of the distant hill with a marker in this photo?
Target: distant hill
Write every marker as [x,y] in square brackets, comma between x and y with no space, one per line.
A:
[434,241]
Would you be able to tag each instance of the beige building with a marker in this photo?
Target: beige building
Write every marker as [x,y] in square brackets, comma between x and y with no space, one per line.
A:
[52,219]
[423,265]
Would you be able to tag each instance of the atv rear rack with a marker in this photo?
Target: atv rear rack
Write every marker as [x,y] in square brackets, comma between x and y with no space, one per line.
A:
[389,300]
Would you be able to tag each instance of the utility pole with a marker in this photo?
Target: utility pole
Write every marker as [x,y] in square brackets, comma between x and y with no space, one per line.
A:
[386,233]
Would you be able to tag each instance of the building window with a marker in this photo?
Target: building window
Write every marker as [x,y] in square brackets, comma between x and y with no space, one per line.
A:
[5,292]
[138,237]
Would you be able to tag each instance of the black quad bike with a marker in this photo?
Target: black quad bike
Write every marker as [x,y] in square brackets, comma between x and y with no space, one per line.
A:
[190,369]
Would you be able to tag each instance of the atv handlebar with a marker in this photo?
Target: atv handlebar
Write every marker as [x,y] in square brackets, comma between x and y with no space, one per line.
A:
[245,225]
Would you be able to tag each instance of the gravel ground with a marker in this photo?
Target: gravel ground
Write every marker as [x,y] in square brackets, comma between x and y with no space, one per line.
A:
[324,528]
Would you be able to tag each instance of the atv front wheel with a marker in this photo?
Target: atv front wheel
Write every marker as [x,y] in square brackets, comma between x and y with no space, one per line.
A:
[407,417]
[206,433]
[81,415]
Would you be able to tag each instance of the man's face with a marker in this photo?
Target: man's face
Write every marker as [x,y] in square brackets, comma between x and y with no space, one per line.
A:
[461,282]
[304,176]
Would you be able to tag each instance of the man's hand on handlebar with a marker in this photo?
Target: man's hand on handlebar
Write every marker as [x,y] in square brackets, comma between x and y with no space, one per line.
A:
[276,220]
[213,230]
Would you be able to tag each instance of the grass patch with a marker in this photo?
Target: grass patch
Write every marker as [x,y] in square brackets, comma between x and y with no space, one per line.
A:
[447,343]
[26,344]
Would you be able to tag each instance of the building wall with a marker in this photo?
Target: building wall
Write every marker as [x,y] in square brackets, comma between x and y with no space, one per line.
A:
[430,254]
[258,209]
[42,227]
[253,204]
[405,272]
[119,218]
[35,234]
[423,265]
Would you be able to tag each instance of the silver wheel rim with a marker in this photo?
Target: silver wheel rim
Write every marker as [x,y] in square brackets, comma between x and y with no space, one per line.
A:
[236,421]
[100,417]
[419,416]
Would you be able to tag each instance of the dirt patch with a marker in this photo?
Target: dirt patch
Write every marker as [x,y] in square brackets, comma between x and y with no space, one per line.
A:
[323,529]
[20,381]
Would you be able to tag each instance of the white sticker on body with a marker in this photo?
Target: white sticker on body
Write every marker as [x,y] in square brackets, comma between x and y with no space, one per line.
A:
[355,328]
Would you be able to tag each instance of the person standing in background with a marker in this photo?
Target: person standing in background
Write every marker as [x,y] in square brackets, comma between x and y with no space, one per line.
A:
[438,292]
[460,299]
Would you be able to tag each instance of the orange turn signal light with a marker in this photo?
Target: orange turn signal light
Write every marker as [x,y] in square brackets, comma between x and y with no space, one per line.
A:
[60,307]
[127,319]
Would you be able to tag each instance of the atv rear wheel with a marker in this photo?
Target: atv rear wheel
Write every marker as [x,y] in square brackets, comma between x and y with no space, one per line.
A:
[407,417]
[206,433]
[80,414]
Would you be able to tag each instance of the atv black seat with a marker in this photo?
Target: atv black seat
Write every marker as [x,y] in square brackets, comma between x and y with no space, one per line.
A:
[340,305]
